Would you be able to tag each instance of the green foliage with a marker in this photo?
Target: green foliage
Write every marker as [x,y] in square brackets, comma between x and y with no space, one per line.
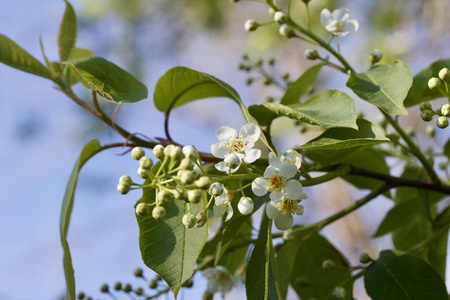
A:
[329,109]
[344,138]
[301,85]
[77,53]
[110,81]
[420,91]
[14,56]
[395,276]
[385,86]
[91,148]
[67,35]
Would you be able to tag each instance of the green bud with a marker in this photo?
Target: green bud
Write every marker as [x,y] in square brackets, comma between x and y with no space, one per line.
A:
[311,54]
[267,80]
[207,296]
[138,272]
[249,81]
[427,115]
[425,106]
[245,56]
[139,291]
[137,153]
[241,66]
[272,11]
[187,177]
[360,115]
[142,173]
[201,218]
[410,131]
[271,61]
[287,31]
[145,162]
[81,295]
[118,286]
[188,220]
[194,196]
[270,99]
[88,298]
[259,61]
[158,277]
[123,188]
[280,17]
[179,194]
[158,152]
[251,25]
[125,179]
[104,288]
[203,182]
[216,189]
[167,150]
[364,258]
[188,283]
[430,130]
[375,56]
[127,288]
[442,122]
[158,213]
[438,111]
[235,1]
[163,198]
[444,74]
[328,264]
[176,153]
[445,110]
[190,152]
[285,75]
[434,83]
[142,209]
[153,284]
[187,164]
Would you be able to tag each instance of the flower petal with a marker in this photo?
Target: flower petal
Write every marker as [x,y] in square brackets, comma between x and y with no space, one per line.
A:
[222,199]
[272,210]
[252,155]
[250,132]
[284,222]
[229,212]
[221,167]
[300,210]
[220,150]
[325,16]
[294,157]
[288,170]
[219,211]
[260,186]
[350,26]
[270,170]
[224,133]
[341,14]
[274,160]
[276,196]
[293,189]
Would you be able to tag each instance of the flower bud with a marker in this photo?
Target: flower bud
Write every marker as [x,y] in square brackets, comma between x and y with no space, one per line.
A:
[158,152]
[425,106]
[271,61]
[187,177]
[445,109]
[142,209]
[104,288]
[328,264]
[442,122]
[245,205]
[427,115]
[126,180]
[216,189]
[285,75]
[259,61]
[163,198]
[176,153]
[444,74]
[158,213]
[272,11]
[232,161]
[430,130]
[280,17]
[188,284]
[188,220]
[251,25]
[287,31]
[137,153]
[197,172]
[434,83]
[194,196]
[81,295]
[235,1]
[203,182]
[364,258]
[123,188]
[190,152]
[311,54]
[375,56]
[153,284]
[207,296]
[139,291]
[187,164]
[438,111]
[145,162]
[339,292]
[201,218]
[127,288]
[142,173]
[118,286]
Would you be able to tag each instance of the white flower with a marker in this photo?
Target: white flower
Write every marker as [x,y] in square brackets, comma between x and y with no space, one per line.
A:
[338,22]
[241,145]
[223,203]
[281,212]
[276,180]
[245,205]
[219,280]
[291,156]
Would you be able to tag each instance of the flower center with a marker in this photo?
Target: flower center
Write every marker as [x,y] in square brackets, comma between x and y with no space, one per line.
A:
[277,182]
[288,206]
[222,277]
[236,144]
[339,27]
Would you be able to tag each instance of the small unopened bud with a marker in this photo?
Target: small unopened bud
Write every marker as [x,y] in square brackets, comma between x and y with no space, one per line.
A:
[81,295]
[375,56]
[163,198]
[311,54]
[138,272]
[123,188]
[280,17]
[245,205]
[203,182]
[272,11]
[430,130]
[285,75]
[232,161]
[410,131]
[251,25]
[187,164]
[187,177]
[145,162]
[142,173]
[194,196]
[158,277]
[179,194]
[139,291]
[207,296]
[216,189]
[197,172]
[271,61]
[142,209]
[259,61]
[425,106]
[434,83]
[287,31]
[104,288]
[201,218]
[127,288]
[364,258]
[190,152]
[158,213]
[445,110]
[137,153]
[188,220]
[125,179]
[167,149]
[189,283]
[427,115]
[176,153]
[235,1]
[118,286]
[328,264]
[158,152]
[153,284]
[339,292]
[444,74]
[442,122]
[438,111]
[249,81]
[267,80]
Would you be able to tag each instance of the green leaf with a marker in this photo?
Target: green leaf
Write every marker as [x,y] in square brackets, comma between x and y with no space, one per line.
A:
[67,35]
[447,149]
[301,85]
[385,86]
[401,276]
[329,109]
[437,254]
[181,85]
[419,91]
[110,81]
[14,56]
[167,247]
[368,134]
[91,148]
[77,53]
[309,279]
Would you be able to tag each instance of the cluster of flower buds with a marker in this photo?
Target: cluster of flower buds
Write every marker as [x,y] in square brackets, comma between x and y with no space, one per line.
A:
[443,112]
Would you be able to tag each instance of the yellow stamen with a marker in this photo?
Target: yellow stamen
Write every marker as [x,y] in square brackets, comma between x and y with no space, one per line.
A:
[277,182]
